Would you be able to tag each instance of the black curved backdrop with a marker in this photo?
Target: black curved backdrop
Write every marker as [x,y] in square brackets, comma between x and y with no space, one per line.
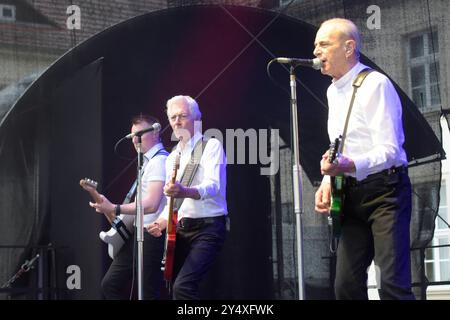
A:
[205,52]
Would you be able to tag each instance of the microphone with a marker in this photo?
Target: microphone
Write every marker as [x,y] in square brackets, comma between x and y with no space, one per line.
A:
[315,63]
[155,127]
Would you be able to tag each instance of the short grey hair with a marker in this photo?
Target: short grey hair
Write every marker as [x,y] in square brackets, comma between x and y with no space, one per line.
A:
[347,28]
[192,104]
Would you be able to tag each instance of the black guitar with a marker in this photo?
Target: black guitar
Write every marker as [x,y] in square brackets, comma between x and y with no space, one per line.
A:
[337,192]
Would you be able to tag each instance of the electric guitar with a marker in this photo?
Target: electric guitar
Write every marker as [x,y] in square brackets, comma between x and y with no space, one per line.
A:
[171,231]
[122,226]
[337,192]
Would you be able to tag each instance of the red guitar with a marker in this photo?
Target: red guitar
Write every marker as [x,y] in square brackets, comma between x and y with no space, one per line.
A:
[171,231]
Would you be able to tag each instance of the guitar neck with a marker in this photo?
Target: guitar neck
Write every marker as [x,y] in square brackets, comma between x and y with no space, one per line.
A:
[170,220]
[91,187]
[95,195]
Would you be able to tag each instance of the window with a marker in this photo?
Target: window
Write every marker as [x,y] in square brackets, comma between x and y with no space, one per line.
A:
[7,12]
[437,260]
[424,72]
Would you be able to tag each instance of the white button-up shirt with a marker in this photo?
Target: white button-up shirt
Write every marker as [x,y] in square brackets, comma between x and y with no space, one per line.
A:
[209,180]
[154,167]
[375,135]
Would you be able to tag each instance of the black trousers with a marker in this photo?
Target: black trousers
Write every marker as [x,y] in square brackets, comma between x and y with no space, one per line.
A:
[197,246]
[377,214]
[119,274]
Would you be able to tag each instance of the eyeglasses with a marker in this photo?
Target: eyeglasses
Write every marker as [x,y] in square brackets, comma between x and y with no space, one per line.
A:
[179,116]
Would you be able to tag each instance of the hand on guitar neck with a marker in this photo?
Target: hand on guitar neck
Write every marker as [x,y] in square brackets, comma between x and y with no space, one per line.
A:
[177,190]
[337,166]
[101,203]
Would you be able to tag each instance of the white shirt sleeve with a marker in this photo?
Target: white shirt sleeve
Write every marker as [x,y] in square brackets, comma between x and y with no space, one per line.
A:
[213,164]
[155,170]
[383,116]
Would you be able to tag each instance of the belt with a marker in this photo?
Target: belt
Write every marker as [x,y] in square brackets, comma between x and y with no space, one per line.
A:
[351,182]
[196,223]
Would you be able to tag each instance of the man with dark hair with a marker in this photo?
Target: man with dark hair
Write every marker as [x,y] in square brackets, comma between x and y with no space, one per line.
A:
[153,201]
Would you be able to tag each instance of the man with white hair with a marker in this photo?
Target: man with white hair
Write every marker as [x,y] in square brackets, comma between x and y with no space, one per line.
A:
[373,163]
[200,231]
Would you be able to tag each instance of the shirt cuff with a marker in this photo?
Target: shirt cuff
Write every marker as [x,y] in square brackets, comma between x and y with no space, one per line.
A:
[361,166]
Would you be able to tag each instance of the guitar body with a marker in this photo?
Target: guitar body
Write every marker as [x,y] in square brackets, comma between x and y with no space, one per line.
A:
[337,193]
[122,228]
[171,238]
[171,231]
[114,239]
[337,201]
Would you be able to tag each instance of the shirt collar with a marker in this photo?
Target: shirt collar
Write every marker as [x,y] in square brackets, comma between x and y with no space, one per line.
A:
[191,143]
[349,76]
[153,150]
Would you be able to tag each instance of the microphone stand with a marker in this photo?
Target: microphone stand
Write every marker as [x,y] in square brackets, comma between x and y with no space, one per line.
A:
[139,220]
[297,184]
[26,266]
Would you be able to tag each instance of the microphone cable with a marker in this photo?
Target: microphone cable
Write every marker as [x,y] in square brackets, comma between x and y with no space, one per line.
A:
[278,84]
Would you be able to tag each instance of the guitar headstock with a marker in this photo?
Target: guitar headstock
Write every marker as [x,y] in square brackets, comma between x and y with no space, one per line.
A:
[88,184]
[333,153]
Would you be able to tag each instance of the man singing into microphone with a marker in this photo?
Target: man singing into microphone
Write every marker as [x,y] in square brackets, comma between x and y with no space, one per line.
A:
[377,192]
[153,201]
